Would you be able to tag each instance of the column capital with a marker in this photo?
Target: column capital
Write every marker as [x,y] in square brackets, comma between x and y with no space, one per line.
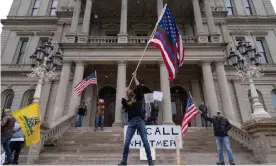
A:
[161,62]
[206,63]
[79,63]
[221,62]
[119,63]
[66,63]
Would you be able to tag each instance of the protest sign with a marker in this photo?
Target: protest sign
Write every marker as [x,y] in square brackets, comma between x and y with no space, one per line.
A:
[159,137]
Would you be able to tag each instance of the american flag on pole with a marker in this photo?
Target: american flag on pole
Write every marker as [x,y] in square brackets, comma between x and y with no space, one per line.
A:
[190,113]
[90,80]
[169,41]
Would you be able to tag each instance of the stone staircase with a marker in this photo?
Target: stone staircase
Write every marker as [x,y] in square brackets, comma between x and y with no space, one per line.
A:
[83,146]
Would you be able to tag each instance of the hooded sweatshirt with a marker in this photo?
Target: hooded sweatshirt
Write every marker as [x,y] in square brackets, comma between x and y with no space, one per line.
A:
[17,133]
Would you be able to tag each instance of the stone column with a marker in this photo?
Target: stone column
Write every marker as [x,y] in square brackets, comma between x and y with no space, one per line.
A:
[62,92]
[121,85]
[209,86]
[197,97]
[88,103]
[46,90]
[202,37]
[83,37]
[224,91]
[78,77]
[122,37]
[160,6]
[210,21]
[71,37]
[165,88]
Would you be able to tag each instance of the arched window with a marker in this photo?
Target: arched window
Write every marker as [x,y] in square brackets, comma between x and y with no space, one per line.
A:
[6,99]
[273,93]
[261,99]
[28,97]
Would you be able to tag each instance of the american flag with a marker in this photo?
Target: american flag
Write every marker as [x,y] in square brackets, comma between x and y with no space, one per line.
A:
[90,80]
[169,41]
[190,113]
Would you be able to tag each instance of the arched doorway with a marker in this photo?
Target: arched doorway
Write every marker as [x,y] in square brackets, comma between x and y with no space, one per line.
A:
[7,99]
[108,93]
[179,98]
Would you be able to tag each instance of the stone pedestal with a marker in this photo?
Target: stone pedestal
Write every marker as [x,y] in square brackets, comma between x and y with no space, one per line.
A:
[83,38]
[215,37]
[263,132]
[122,38]
[70,38]
[202,38]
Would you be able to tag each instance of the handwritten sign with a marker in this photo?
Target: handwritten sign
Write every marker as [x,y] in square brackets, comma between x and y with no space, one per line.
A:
[159,137]
[148,98]
[157,95]
[143,154]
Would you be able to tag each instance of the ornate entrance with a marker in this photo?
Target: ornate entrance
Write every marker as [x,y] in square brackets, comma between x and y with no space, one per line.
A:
[108,93]
[179,98]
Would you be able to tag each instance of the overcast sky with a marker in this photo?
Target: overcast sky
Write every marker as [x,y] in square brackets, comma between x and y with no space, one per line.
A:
[5,6]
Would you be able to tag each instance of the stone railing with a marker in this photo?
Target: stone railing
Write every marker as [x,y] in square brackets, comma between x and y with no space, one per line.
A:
[132,39]
[56,131]
[138,39]
[103,39]
[240,135]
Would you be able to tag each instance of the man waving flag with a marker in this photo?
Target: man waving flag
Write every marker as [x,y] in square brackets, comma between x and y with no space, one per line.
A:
[169,41]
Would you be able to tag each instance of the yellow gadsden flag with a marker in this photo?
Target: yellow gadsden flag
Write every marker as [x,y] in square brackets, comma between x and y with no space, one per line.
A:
[29,120]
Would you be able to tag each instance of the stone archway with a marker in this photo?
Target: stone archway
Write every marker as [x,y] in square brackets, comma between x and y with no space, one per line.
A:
[179,98]
[108,93]
[7,99]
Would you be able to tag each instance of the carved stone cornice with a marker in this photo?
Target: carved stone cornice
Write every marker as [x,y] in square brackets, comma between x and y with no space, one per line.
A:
[260,125]
[244,19]
[110,26]
[29,20]
[25,32]
[141,26]
[259,32]
[239,32]
[45,32]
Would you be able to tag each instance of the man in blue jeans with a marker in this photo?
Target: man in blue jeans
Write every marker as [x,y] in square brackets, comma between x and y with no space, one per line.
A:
[100,115]
[82,111]
[7,124]
[136,117]
[221,126]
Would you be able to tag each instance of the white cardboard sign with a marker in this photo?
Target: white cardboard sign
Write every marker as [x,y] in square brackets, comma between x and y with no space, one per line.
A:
[157,95]
[143,154]
[159,137]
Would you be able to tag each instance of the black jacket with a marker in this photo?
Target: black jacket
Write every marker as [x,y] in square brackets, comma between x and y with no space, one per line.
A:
[203,109]
[134,106]
[82,111]
[221,125]
[154,112]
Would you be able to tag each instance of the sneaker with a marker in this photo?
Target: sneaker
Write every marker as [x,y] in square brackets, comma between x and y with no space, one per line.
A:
[95,130]
[101,129]
[232,163]
[220,163]
[122,163]
[15,163]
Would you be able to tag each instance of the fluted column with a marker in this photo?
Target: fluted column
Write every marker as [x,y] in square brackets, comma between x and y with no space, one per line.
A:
[160,6]
[202,37]
[224,91]
[120,91]
[209,86]
[76,16]
[210,21]
[165,88]
[197,97]
[122,37]
[61,91]
[87,17]
[78,77]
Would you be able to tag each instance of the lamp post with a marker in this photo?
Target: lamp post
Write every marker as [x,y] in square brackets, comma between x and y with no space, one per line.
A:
[246,62]
[44,61]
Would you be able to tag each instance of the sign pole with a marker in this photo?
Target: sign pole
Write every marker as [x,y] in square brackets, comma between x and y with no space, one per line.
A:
[177,150]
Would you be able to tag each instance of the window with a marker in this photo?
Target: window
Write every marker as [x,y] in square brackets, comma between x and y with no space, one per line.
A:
[229,7]
[141,33]
[261,49]
[247,7]
[53,8]
[22,51]
[273,93]
[35,7]
[7,98]
[111,33]
[28,97]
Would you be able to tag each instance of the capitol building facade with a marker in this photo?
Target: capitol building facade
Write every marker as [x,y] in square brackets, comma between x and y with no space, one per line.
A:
[109,36]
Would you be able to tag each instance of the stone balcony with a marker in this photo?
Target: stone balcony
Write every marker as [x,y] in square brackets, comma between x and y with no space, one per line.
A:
[130,39]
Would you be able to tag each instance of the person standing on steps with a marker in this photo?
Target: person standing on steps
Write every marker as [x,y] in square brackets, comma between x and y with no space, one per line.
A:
[7,124]
[82,112]
[100,115]
[154,112]
[17,142]
[221,127]
[204,111]
[136,117]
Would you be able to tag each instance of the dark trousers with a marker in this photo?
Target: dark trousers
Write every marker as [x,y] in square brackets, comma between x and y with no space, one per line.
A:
[133,125]
[5,141]
[16,147]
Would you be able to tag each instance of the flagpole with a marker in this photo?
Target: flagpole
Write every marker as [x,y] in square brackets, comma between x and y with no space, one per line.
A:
[97,85]
[151,36]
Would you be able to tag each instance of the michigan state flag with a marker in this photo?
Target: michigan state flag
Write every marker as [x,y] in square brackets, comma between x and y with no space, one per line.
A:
[29,120]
